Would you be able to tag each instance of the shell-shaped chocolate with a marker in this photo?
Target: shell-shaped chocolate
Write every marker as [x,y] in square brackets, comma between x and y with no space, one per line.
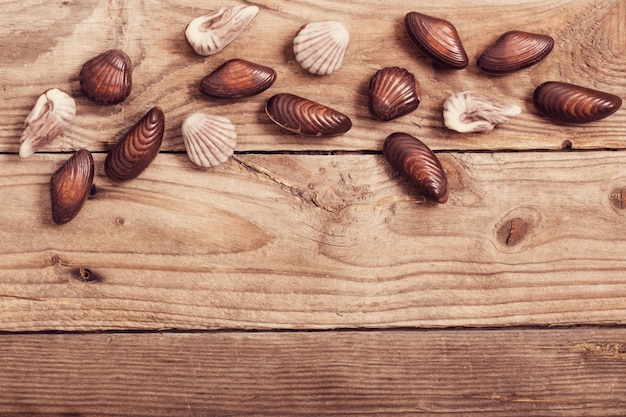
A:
[237,78]
[515,50]
[52,115]
[320,47]
[211,33]
[393,92]
[209,139]
[436,38]
[107,78]
[306,117]
[469,111]
[571,103]
[138,148]
[411,158]
[70,186]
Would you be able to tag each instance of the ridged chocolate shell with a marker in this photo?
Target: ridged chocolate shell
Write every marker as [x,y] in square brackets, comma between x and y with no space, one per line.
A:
[574,104]
[411,158]
[515,50]
[209,139]
[306,117]
[52,115]
[320,47]
[436,38]
[393,92]
[211,33]
[107,78]
[70,186]
[138,148]
[237,78]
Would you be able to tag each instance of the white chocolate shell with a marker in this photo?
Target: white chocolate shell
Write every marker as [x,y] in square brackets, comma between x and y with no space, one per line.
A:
[320,46]
[474,112]
[209,139]
[52,115]
[211,33]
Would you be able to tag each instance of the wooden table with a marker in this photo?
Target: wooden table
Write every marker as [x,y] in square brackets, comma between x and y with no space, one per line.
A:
[304,276]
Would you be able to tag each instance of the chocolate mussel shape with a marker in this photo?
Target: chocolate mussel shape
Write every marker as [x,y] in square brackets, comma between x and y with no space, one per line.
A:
[237,78]
[438,39]
[107,78]
[393,92]
[70,186]
[138,148]
[515,50]
[411,158]
[571,103]
[306,117]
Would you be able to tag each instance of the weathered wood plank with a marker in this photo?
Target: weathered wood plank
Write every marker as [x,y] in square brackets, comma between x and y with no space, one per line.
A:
[48,51]
[575,372]
[318,241]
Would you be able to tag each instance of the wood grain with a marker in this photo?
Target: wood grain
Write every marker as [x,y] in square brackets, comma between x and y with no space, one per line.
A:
[318,241]
[575,372]
[296,233]
[48,51]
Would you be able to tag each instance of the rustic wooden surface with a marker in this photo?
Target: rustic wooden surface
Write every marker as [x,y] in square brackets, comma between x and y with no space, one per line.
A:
[306,234]
[578,372]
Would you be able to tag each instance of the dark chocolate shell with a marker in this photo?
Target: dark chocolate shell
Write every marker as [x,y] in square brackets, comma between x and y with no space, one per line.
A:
[70,186]
[411,158]
[237,78]
[138,148]
[305,117]
[107,78]
[393,92]
[437,39]
[574,104]
[515,50]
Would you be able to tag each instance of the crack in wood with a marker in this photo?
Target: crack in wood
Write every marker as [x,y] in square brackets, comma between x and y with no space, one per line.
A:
[17,297]
[303,194]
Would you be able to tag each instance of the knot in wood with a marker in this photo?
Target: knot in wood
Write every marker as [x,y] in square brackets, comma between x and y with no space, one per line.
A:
[512,232]
[618,198]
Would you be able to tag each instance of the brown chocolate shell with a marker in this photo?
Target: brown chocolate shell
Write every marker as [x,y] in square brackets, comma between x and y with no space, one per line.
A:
[107,78]
[411,158]
[138,148]
[571,103]
[70,186]
[237,78]
[438,39]
[306,117]
[515,50]
[393,92]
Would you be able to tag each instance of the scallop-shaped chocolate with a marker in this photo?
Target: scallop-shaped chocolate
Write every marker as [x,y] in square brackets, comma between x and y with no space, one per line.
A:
[436,38]
[571,103]
[138,148]
[515,50]
[306,117]
[411,158]
[237,78]
[70,186]
[319,47]
[107,78]
[209,139]
[393,92]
